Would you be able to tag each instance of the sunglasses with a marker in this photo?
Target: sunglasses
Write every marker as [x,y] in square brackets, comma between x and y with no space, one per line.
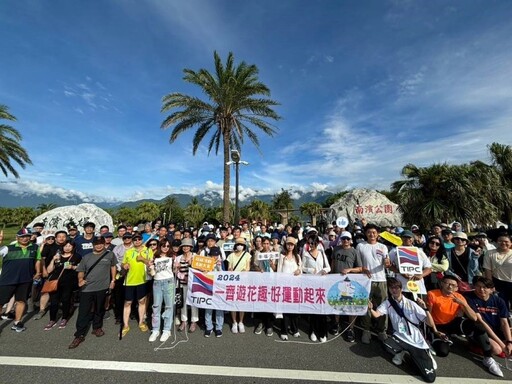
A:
[153,245]
[137,239]
[345,238]
[435,243]
[165,246]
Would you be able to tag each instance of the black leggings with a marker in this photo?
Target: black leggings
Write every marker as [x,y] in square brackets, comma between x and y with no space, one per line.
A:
[420,357]
[63,295]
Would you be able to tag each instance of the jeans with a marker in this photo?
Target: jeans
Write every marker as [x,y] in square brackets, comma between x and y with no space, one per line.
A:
[194,311]
[163,291]
[219,319]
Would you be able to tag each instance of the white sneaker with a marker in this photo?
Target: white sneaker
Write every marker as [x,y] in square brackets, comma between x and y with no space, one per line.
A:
[165,336]
[234,328]
[154,335]
[398,359]
[296,334]
[312,337]
[241,328]
[492,366]
[323,339]
[284,337]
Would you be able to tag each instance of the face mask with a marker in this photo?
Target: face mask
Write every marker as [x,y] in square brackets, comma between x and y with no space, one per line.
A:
[240,247]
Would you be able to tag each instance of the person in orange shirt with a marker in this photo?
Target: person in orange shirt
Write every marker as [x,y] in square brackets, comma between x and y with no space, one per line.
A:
[453,315]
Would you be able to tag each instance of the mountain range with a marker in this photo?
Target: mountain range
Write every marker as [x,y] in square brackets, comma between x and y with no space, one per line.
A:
[8,199]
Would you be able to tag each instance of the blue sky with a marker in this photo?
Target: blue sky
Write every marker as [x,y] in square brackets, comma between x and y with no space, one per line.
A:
[365,87]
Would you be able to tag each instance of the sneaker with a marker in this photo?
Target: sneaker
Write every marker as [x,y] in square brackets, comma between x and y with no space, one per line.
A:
[154,335]
[492,366]
[76,342]
[382,336]
[323,339]
[296,334]
[335,330]
[398,359]
[18,327]
[218,333]
[165,336]
[106,316]
[39,315]
[98,332]
[50,325]
[63,324]
[241,328]
[143,327]
[125,331]
[208,332]
[284,337]
[234,328]
[312,337]
[366,337]
[350,335]
[8,316]
[258,329]
[269,332]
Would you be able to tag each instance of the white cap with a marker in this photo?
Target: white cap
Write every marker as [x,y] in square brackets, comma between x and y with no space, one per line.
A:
[345,234]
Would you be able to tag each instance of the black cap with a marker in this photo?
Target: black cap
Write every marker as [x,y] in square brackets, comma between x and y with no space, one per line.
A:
[214,251]
[176,243]
[210,236]
[89,224]
[98,240]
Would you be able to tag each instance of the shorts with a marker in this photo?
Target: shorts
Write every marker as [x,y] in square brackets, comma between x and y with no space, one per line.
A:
[135,292]
[20,292]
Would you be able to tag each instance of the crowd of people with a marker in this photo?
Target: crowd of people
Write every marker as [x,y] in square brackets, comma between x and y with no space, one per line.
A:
[463,285]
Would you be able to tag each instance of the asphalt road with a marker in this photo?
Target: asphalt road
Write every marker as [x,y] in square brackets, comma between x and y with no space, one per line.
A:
[266,359]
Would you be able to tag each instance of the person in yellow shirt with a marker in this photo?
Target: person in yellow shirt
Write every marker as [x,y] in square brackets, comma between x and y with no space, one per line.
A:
[135,261]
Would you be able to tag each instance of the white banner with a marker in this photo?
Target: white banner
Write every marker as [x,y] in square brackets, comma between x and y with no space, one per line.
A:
[279,293]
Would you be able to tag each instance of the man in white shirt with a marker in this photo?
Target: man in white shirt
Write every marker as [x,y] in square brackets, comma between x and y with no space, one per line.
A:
[374,256]
[405,316]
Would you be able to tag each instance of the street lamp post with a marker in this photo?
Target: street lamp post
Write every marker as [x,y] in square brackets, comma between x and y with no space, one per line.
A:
[235,159]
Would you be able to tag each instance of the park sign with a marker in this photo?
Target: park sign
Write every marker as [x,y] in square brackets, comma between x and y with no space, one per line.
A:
[366,204]
[58,218]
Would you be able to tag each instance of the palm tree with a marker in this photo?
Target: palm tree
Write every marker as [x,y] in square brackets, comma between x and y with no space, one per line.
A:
[236,100]
[443,192]
[171,210]
[194,212]
[283,201]
[311,209]
[258,210]
[501,156]
[147,211]
[10,148]
[45,207]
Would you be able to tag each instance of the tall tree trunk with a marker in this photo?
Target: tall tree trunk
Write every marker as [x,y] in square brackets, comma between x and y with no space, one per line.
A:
[226,202]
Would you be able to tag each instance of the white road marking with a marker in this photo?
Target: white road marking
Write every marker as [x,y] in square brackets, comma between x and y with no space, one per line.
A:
[210,370]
